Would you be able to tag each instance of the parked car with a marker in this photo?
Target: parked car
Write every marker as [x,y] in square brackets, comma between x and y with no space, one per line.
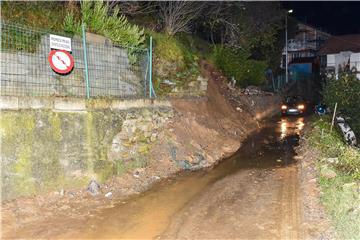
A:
[293,105]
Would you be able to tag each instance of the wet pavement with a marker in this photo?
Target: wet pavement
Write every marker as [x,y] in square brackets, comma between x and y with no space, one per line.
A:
[264,158]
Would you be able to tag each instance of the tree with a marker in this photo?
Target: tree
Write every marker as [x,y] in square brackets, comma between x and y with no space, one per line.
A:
[242,24]
[179,16]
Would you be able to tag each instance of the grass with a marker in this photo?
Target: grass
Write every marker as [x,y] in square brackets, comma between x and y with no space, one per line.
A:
[48,15]
[331,145]
[342,203]
[340,195]
[38,16]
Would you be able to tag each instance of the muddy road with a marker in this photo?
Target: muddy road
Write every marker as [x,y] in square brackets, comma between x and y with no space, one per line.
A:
[252,195]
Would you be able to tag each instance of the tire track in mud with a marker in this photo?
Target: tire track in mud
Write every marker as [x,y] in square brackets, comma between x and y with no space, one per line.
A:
[289,227]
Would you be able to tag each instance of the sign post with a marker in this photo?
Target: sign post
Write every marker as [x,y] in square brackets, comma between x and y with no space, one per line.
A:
[85,62]
[150,68]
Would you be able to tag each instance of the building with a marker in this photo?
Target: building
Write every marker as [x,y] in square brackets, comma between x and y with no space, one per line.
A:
[306,43]
[341,53]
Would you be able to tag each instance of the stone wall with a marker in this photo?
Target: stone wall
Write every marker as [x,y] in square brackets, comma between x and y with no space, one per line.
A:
[110,71]
[49,144]
[197,87]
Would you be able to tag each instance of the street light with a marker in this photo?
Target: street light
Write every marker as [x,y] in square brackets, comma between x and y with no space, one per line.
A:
[286,47]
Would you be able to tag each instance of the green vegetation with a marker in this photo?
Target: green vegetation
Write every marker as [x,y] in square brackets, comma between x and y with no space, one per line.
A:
[176,58]
[47,15]
[59,17]
[340,193]
[346,93]
[332,145]
[237,64]
[115,26]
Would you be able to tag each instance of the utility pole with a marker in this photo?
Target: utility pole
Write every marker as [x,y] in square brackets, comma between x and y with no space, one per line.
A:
[286,47]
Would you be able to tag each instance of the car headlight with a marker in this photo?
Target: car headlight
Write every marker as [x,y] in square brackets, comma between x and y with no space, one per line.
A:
[283,107]
[301,107]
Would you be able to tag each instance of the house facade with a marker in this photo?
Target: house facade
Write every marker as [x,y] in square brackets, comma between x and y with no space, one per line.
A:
[305,45]
[341,53]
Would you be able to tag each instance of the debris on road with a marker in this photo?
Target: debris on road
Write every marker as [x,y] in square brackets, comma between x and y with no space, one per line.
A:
[93,188]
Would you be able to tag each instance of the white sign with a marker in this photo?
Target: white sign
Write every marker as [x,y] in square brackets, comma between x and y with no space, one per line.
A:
[59,42]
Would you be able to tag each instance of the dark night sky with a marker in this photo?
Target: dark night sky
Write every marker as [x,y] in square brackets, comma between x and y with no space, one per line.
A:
[337,18]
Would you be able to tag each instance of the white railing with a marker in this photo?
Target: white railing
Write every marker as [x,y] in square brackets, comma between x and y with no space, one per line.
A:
[296,45]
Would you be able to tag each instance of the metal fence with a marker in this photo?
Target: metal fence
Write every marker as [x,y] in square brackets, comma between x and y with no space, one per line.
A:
[112,71]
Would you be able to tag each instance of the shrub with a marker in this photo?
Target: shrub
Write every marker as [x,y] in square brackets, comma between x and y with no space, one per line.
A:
[346,93]
[115,26]
[237,64]
[332,145]
[175,59]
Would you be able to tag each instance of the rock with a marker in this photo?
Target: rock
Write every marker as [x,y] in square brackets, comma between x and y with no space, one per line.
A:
[332,160]
[168,82]
[93,188]
[156,177]
[137,172]
[184,164]
[327,172]
[239,109]
[252,90]
[192,84]
[312,180]
[109,194]
[153,137]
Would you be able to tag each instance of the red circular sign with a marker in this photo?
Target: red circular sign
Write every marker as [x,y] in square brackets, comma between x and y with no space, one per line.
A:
[61,61]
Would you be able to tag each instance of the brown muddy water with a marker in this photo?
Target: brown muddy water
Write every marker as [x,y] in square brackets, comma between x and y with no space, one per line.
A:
[148,215]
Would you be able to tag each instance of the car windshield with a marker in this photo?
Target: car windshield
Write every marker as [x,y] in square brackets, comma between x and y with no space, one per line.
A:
[293,99]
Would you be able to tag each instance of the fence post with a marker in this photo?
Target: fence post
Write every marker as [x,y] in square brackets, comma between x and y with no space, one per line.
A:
[150,68]
[333,118]
[85,62]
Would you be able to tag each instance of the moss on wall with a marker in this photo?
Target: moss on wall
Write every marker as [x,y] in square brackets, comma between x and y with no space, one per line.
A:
[43,150]
[17,137]
[46,150]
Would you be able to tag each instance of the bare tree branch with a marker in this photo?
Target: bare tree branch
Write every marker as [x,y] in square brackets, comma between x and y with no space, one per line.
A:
[179,16]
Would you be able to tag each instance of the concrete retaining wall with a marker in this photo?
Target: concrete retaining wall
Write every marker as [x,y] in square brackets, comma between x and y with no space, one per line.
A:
[55,143]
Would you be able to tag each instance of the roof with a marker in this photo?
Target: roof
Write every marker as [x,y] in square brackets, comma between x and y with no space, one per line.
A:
[337,44]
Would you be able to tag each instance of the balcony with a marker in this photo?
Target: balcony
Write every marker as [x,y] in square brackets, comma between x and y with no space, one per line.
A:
[297,45]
